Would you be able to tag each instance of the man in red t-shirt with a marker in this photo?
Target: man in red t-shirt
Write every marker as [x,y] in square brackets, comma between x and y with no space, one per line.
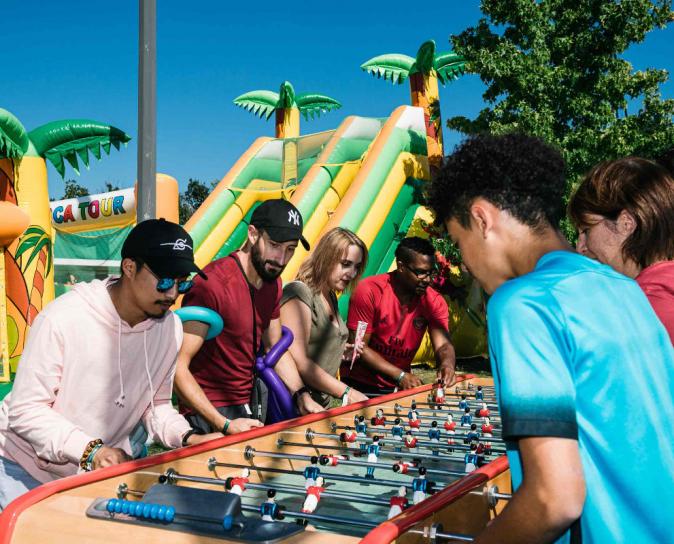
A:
[399,307]
[214,378]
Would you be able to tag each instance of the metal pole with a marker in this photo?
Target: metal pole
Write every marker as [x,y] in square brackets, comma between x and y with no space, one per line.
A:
[146,204]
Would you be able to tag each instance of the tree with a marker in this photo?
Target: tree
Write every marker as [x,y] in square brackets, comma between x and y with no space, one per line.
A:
[553,69]
[424,72]
[109,187]
[287,106]
[74,189]
[191,199]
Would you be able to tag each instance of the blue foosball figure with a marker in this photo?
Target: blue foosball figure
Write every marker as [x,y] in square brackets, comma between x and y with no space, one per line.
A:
[361,431]
[269,510]
[479,394]
[419,486]
[413,408]
[471,459]
[473,435]
[372,455]
[311,472]
[434,436]
[466,418]
[397,432]
[463,403]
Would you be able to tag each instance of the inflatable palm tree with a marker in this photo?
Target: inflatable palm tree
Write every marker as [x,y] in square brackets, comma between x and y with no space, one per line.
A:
[287,106]
[26,273]
[424,72]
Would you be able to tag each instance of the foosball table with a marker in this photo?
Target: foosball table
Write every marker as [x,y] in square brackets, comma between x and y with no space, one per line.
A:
[418,466]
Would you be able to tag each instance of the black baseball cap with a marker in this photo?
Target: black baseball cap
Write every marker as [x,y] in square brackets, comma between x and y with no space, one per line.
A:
[165,247]
[280,220]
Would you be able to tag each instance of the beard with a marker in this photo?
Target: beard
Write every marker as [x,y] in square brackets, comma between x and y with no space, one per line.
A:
[260,266]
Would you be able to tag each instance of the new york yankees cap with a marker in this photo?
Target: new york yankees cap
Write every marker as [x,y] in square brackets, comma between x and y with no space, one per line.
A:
[280,220]
[164,247]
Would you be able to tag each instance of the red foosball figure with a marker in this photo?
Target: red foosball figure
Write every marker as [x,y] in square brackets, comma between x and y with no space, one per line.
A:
[379,419]
[410,440]
[349,437]
[439,393]
[484,448]
[398,503]
[487,428]
[484,411]
[450,424]
[403,467]
[414,421]
[313,496]
[237,485]
[333,460]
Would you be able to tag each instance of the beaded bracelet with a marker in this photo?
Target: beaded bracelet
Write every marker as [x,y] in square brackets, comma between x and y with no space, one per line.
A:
[84,460]
[90,460]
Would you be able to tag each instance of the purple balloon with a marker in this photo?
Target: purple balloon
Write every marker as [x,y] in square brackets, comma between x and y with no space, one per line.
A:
[280,403]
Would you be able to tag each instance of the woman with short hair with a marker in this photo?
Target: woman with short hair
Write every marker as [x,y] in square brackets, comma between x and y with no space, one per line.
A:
[624,212]
[309,309]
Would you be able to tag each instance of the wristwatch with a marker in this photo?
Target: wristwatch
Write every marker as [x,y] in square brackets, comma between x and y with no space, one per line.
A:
[297,394]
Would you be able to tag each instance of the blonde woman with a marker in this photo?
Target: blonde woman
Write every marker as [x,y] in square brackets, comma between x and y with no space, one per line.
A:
[309,309]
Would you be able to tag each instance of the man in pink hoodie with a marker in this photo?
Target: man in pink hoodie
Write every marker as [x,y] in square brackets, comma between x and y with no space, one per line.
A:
[98,362]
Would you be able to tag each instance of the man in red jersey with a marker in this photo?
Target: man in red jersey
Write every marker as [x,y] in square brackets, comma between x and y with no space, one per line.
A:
[214,378]
[399,307]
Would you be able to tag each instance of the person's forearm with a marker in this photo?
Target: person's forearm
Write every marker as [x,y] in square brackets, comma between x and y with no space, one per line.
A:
[446,355]
[377,363]
[287,371]
[526,518]
[318,379]
[192,395]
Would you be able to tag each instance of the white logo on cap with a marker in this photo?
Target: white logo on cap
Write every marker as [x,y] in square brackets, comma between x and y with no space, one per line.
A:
[179,245]
[293,217]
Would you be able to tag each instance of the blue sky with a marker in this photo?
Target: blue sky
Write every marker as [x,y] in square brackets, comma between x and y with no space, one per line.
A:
[77,59]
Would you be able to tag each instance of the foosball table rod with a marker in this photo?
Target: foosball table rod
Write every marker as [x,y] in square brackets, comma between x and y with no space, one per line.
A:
[212,464]
[433,536]
[172,477]
[251,453]
[443,434]
[428,413]
[280,443]
[309,434]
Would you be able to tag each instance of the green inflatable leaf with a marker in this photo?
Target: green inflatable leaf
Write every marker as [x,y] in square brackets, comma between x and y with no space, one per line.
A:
[69,138]
[286,96]
[13,137]
[449,66]
[424,60]
[262,103]
[394,67]
[312,104]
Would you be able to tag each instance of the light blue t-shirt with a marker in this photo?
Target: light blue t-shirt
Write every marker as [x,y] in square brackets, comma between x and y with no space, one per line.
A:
[577,352]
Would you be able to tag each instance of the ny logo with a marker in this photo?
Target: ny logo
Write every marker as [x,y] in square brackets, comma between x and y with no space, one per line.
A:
[294,217]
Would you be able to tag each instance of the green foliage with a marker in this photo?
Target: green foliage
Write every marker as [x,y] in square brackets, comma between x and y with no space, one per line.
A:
[74,190]
[108,187]
[191,199]
[265,103]
[553,69]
